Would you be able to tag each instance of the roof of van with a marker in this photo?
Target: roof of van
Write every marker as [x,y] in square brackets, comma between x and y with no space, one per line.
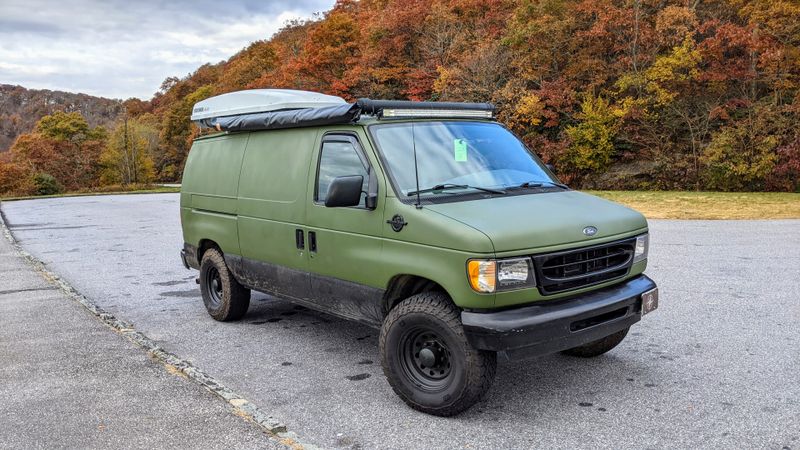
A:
[266,109]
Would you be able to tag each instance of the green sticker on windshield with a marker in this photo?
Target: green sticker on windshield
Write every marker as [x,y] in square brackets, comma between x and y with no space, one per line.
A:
[460,148]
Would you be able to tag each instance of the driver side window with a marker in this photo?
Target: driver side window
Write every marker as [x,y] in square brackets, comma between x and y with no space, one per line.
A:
[339,159]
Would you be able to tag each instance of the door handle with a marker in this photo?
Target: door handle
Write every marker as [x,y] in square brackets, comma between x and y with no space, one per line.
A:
[299,239]
[312,241]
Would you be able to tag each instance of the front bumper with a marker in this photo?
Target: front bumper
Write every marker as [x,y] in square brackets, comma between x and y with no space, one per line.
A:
[553,326]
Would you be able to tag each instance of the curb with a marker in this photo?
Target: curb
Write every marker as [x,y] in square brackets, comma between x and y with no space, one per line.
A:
[274,428]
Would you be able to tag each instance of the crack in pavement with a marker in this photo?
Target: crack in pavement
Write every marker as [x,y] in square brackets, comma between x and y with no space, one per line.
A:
[15,291]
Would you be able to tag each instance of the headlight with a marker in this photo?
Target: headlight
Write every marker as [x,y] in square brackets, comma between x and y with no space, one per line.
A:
[489,275]
[642,244]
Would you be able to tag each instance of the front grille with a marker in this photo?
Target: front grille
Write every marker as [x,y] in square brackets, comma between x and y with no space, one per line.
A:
[574,269]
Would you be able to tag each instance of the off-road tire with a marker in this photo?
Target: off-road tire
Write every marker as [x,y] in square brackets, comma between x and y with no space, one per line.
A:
[469,372]
[598,347]
[231,300]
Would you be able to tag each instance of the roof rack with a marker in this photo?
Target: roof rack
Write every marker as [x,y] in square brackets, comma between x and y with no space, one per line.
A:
[265,109]
[405,109]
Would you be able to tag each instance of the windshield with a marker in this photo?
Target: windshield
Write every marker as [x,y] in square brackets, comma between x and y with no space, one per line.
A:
[454,157]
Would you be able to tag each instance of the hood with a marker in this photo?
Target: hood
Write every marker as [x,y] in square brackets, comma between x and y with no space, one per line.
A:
[547,219]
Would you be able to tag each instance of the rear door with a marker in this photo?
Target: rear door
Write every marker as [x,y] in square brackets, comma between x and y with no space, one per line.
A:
[344,244]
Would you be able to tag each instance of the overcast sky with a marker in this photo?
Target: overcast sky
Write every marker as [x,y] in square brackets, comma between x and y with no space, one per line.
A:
[123,49]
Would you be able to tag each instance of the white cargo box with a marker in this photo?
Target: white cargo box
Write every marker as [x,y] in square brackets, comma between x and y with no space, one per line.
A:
[261,100]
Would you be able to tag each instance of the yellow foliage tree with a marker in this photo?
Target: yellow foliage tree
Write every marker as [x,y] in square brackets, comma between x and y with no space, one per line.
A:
[592,139]
[127,158]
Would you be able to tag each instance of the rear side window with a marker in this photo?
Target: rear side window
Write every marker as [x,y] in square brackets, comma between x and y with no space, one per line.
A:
[339,159]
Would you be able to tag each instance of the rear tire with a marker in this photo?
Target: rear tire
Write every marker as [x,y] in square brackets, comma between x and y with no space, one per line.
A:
[224,297]
[598,347]
[427,359]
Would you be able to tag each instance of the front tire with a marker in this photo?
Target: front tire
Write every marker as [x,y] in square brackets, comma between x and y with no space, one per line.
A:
[598,347]
[224,297]
[427,359]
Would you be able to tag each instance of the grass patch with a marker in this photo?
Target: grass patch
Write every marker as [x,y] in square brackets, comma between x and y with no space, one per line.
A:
[107,190]
[708,205]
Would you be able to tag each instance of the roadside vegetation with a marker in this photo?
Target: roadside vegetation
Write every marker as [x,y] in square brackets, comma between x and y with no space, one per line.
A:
[708,205]
[104,190]
[617,94]
[64,154]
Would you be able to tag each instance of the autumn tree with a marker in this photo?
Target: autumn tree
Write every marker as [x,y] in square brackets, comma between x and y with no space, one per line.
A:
[591,140]
[15,178]
[68,127]
[127,158]
[246,67]
[62,146]
[177,132]
[331,47]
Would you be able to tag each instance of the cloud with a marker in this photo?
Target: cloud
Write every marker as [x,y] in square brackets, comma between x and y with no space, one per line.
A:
[123,48]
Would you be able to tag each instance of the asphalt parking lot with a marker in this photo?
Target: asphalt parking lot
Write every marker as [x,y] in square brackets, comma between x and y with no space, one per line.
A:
[718,365]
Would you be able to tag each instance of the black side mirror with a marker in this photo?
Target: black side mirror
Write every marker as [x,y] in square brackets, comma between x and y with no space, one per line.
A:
[551,168]
[345,191]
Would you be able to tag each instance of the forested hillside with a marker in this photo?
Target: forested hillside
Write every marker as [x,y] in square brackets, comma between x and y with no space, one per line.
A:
[617,93]
[642,94]
[21,108]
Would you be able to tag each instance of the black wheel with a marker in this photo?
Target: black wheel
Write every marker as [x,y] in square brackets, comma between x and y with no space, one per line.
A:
[598,347]
[427,360]
[224,297]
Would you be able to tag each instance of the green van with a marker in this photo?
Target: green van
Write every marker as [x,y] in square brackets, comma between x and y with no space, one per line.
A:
[429,221]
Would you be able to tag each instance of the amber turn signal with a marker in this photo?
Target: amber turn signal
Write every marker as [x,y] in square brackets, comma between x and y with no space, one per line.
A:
[482,275]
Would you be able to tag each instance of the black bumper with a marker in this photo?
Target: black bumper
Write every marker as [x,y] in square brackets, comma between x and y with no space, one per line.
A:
[560,324]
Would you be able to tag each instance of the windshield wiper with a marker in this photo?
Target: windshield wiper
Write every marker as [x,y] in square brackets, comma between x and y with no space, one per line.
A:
[535,184]
[447,186]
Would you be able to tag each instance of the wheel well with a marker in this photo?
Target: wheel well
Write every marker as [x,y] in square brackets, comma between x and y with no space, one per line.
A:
[403,286]
[205,244]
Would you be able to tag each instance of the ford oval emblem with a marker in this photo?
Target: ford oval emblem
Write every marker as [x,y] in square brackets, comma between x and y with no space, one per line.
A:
[590,231]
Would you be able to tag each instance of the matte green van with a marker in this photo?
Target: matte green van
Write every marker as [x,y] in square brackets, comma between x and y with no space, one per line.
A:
[429,221]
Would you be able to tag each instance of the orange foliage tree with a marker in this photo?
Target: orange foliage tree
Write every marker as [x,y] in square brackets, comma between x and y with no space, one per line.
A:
[62,152]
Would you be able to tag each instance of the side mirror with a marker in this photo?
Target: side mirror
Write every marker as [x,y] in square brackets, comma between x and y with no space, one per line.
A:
[345,191]
[551,168]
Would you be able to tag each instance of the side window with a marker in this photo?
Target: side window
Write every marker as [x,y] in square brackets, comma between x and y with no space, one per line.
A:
[339,159]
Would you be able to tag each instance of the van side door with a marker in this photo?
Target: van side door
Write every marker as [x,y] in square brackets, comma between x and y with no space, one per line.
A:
[344,243]
[272,193]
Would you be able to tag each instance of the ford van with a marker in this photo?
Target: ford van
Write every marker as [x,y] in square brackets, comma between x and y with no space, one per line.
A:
[429,221]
